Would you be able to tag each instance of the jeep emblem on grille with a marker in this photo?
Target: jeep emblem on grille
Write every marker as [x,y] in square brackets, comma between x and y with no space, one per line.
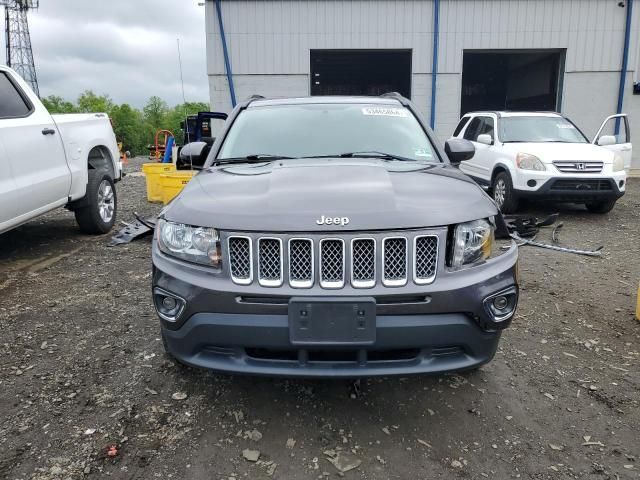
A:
[342,221]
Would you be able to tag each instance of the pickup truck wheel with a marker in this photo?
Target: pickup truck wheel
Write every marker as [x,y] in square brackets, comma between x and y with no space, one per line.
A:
[99,214]
[503,194]
[601,207]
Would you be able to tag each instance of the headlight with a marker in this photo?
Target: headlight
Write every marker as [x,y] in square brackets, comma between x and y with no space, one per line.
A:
[472,243]
[618,163]
[526,161]
[193,244]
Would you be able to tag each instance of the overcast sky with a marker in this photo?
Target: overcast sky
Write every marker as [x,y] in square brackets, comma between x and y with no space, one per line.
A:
[124,48]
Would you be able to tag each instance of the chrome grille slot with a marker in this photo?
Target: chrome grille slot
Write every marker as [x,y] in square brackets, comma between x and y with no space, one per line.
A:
[332,263]
[300,262]
[425,259]
[270,262]
[363,262]
[578,166]
[394,262]
[240,260]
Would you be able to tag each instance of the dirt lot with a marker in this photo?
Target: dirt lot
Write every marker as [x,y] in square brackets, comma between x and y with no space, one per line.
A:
[83,370]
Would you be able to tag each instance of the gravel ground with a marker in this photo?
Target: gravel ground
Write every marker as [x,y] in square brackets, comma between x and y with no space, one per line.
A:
[86,392]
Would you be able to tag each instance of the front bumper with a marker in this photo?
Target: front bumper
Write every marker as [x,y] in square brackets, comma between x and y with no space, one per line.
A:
[568,187]
[436,328]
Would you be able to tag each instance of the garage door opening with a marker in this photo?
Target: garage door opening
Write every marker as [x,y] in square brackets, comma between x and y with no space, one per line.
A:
[360,72]
[512,80]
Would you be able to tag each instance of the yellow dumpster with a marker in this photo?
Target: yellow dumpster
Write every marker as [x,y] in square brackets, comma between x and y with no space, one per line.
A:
[172,183]
[152,172]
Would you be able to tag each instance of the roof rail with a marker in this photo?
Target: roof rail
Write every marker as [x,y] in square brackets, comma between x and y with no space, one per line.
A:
[398,96]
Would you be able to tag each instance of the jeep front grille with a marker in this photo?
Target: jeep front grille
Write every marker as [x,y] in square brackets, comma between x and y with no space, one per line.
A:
[363,262]
[425,255]
[395,261]
[270,262]
[301,262]
[578,166]
[332,263]
[240,260]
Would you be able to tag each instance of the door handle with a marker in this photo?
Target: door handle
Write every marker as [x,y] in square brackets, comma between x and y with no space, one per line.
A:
[48,131]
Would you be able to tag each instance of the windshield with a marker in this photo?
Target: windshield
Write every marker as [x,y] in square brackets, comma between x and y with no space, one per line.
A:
[327,129]
[539,129]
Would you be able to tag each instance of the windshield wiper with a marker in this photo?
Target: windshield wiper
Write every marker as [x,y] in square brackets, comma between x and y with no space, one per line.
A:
[253,158]
[372,154]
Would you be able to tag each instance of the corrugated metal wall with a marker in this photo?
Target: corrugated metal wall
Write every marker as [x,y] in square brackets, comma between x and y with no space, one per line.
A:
[274,37]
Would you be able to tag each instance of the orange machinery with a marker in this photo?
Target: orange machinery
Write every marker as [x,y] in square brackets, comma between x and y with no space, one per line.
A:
[157,150]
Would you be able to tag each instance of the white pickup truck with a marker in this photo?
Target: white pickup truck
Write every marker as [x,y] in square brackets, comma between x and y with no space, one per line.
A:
[50,161]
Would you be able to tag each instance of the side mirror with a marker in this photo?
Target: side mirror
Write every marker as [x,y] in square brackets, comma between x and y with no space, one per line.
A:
[485,139]
[606,140]
[194,153]
[458,150]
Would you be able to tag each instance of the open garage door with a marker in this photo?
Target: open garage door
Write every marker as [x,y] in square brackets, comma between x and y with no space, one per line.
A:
[360,72]
[512,80]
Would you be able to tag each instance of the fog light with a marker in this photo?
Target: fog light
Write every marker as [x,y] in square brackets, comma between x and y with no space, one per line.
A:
[168,305]
[501,302]
[502,305]
[531,183]
[621,183]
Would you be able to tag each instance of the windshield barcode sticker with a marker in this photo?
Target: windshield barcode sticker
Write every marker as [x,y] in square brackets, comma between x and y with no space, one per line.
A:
[385,112]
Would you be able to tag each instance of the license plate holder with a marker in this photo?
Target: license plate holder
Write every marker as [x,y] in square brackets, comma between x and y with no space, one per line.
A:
[332,321]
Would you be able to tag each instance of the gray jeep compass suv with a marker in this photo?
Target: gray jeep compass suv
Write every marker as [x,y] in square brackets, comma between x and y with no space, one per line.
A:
[332,237]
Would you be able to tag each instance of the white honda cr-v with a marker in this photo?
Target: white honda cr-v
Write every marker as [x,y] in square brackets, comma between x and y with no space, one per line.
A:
[540,155]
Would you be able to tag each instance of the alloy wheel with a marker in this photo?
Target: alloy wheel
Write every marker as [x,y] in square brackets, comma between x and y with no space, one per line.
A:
[106,204]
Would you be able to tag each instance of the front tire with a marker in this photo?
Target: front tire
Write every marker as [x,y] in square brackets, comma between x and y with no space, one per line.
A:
[604,206]
[503,193]
[98,215]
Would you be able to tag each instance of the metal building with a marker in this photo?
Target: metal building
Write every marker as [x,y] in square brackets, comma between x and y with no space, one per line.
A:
[448,56]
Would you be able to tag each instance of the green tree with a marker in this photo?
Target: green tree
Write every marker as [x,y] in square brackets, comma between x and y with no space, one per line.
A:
[129,128]
[56,104]
[89,102]
[155,112]
[134,128]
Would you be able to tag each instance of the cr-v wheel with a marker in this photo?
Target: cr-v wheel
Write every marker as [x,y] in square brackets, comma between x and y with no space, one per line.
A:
[603,206]
[503,193]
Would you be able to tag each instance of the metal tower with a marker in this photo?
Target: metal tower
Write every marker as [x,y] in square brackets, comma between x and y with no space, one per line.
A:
[17,39]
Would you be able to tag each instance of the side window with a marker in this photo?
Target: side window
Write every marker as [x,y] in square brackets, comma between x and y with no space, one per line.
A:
[12,104]
[472,131]
[487,127]
[460,126]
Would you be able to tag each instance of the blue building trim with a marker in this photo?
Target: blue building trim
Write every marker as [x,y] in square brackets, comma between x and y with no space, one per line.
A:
[434,65]
[225,51]
[625,61]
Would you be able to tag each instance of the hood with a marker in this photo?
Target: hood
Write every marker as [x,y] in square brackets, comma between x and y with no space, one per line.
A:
[548,152]
[289,196]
